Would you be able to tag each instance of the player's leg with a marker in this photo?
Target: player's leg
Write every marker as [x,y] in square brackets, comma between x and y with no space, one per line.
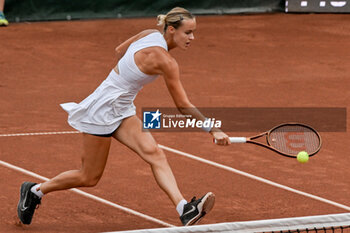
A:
[3,21]
[142,142]
[130,133]
[94,159]
[2,3]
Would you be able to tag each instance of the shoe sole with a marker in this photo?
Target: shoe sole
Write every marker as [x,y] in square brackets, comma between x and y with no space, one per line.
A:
[204,207]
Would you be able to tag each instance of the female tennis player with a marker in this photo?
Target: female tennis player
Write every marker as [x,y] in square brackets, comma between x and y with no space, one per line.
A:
[109,112]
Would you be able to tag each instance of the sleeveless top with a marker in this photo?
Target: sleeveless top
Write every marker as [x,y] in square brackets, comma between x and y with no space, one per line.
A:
[103,111]
[129,71]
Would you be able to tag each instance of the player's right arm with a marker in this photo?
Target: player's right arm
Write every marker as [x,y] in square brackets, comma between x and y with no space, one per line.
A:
[171,74]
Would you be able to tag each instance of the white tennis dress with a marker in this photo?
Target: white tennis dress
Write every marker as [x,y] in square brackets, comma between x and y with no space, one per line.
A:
[103,111]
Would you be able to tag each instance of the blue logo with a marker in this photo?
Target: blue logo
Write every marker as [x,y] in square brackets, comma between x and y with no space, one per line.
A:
[151,120]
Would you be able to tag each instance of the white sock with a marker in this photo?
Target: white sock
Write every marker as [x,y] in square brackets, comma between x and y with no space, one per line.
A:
[36,190]
[180,206]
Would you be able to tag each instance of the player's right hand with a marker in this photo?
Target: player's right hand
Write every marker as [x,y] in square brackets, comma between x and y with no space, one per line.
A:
[220,138]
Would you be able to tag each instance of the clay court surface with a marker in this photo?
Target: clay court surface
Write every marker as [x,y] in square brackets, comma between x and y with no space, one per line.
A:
[275,60]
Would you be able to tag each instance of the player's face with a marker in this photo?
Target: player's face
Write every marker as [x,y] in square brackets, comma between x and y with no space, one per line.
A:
[184,34]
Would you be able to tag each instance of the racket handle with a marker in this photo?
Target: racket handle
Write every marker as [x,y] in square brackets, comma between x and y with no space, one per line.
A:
[236,140]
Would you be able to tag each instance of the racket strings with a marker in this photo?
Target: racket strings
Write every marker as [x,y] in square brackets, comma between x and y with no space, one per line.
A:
[291,139]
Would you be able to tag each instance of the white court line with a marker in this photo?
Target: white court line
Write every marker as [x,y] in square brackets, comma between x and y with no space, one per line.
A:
[37,134]
[88,195]
[255,177]
[227,168]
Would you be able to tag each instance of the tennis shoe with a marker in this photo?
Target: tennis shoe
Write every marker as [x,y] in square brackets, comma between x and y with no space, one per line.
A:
[195,210]
[3,20]
[27,204]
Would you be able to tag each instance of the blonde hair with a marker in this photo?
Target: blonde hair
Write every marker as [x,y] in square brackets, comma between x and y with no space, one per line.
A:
[174,18]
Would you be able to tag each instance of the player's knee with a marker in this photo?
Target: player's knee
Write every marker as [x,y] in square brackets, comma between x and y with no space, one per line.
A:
[149,149]
[153,154]
[90,180]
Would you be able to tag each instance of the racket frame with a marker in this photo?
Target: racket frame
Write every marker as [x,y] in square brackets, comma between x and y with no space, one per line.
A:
[268,145]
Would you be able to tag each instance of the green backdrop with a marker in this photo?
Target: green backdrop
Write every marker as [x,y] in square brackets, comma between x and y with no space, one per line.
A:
[33,10]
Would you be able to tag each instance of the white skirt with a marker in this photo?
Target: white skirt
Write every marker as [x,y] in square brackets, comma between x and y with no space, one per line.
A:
[104,110]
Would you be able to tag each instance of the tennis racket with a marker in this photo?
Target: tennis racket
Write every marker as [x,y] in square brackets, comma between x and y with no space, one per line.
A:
[287,139]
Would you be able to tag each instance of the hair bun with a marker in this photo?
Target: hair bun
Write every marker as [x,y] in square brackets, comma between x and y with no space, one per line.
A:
[161,20]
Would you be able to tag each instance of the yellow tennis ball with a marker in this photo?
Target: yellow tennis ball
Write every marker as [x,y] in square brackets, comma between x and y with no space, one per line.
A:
[303,157]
